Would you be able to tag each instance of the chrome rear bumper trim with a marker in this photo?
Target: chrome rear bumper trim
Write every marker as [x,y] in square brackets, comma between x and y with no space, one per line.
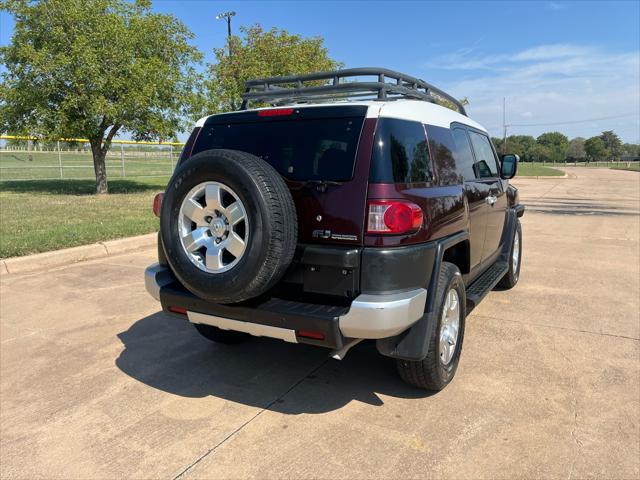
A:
[381,316]
[156,276]
[254,329]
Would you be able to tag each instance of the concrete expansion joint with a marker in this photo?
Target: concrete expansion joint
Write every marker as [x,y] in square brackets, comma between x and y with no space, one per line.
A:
[241,427]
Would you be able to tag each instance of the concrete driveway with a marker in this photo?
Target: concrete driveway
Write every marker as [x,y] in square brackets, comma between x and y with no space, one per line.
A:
[95,383]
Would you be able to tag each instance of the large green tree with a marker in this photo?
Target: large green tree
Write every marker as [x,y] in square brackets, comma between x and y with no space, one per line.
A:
[93,69]
[520,145]
[540,153]
[612,143]
[595,149]
[631,149]
[576,149]
[261,53]
[556,142]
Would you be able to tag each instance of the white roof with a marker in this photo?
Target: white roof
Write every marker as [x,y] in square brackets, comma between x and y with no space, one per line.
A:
[425,112]
[416,110]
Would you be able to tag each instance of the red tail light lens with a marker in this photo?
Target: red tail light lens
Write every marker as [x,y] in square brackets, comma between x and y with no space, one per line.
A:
[157,204]
[393,216]
[178,310]
[311,334]
[275,112]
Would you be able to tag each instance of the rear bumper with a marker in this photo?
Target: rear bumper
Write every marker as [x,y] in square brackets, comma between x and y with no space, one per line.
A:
[368,316]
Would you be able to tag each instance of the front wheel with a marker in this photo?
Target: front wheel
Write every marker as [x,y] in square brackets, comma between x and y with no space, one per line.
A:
[515,257]
[438,368]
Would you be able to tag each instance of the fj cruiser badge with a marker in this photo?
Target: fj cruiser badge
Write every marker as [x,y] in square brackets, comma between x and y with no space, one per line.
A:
[326,234]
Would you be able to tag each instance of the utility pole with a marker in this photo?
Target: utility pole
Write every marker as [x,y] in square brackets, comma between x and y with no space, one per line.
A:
[504,126]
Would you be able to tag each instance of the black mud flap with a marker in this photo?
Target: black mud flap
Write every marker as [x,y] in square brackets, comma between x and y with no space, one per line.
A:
[413,344]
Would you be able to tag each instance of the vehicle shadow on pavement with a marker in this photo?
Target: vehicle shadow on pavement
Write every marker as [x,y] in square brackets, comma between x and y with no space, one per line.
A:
[168,354]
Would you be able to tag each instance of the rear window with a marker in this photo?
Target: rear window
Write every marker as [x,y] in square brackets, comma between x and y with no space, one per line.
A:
[299,149]
[464,155]
[400,153]
[442,147]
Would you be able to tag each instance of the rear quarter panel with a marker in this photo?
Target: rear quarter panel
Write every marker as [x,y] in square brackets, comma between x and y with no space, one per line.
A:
[443,206]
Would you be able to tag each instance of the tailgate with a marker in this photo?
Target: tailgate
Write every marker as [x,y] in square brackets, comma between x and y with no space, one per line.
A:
[323,153]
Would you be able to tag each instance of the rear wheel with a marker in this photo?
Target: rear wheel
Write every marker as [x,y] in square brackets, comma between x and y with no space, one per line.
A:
[438,368]
[218,335]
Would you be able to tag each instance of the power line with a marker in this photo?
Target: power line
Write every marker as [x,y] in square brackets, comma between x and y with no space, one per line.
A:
[568,122]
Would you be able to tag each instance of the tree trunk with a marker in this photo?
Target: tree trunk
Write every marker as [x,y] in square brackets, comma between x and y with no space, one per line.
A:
[100,168]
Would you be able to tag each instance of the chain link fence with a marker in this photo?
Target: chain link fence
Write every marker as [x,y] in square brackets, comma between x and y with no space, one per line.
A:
[26,160]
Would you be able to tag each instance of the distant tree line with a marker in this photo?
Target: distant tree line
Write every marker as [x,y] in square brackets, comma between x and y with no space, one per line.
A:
[556,147]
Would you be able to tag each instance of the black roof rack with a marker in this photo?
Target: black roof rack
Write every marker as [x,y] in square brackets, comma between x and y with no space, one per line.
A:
[325,86]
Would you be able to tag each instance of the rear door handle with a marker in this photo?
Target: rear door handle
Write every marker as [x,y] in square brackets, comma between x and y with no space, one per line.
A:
[491,200]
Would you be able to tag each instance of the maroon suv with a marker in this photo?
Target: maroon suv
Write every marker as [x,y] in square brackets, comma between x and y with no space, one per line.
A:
[326,219]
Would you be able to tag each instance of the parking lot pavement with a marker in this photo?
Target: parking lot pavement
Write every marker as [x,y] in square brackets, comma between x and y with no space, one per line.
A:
[95,383]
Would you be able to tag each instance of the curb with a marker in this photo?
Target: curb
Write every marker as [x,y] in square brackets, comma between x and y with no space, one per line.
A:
[544,177]
[67,256]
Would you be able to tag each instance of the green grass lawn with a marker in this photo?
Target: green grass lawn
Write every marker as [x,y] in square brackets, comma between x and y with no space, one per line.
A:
[42,215]
[634,167]
[526,169]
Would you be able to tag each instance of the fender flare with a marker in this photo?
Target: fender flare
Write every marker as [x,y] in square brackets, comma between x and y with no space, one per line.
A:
[412,344]
[510,222]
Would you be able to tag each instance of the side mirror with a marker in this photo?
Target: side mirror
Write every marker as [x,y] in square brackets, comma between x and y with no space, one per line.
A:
[509,166]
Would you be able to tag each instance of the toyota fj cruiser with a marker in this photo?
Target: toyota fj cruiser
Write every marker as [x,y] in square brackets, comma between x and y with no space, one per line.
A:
[354,206]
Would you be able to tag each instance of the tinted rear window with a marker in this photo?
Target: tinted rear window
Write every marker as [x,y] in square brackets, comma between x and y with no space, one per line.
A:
[299,149]
[400,153]
[442,148]
[464,155]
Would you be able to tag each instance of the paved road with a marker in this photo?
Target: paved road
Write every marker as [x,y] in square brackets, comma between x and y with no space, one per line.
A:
[95,383]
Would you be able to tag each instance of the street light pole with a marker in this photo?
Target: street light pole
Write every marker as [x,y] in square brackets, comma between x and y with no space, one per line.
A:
[227,16]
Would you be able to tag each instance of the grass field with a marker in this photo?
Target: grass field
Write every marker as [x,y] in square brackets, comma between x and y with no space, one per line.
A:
[42,215]
[21,165]
[633,167]
[526,169]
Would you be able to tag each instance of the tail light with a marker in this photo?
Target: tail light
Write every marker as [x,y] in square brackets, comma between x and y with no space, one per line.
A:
[178,310]
[157,204]
[393,216]
[275,112]
[311,334]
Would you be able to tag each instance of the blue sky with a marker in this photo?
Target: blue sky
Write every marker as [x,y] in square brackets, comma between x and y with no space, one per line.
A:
[554,61]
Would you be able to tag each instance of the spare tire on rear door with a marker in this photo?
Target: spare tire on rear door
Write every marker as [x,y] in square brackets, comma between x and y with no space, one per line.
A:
[228,225]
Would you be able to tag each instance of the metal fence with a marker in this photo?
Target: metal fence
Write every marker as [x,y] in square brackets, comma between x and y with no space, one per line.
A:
[73,160]
[591,163]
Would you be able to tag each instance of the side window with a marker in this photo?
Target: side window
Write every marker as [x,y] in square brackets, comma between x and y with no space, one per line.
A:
[443,148]
[464,155]
[486,165]
[400,153]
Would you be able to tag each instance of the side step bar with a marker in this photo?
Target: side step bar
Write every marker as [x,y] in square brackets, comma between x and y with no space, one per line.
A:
[484,284]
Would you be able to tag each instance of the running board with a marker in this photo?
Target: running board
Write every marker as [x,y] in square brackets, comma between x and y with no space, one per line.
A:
[485,283]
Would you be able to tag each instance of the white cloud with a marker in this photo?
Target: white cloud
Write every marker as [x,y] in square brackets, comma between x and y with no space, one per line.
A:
[549,52]
[463,60]
[548,84]
[557,6]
